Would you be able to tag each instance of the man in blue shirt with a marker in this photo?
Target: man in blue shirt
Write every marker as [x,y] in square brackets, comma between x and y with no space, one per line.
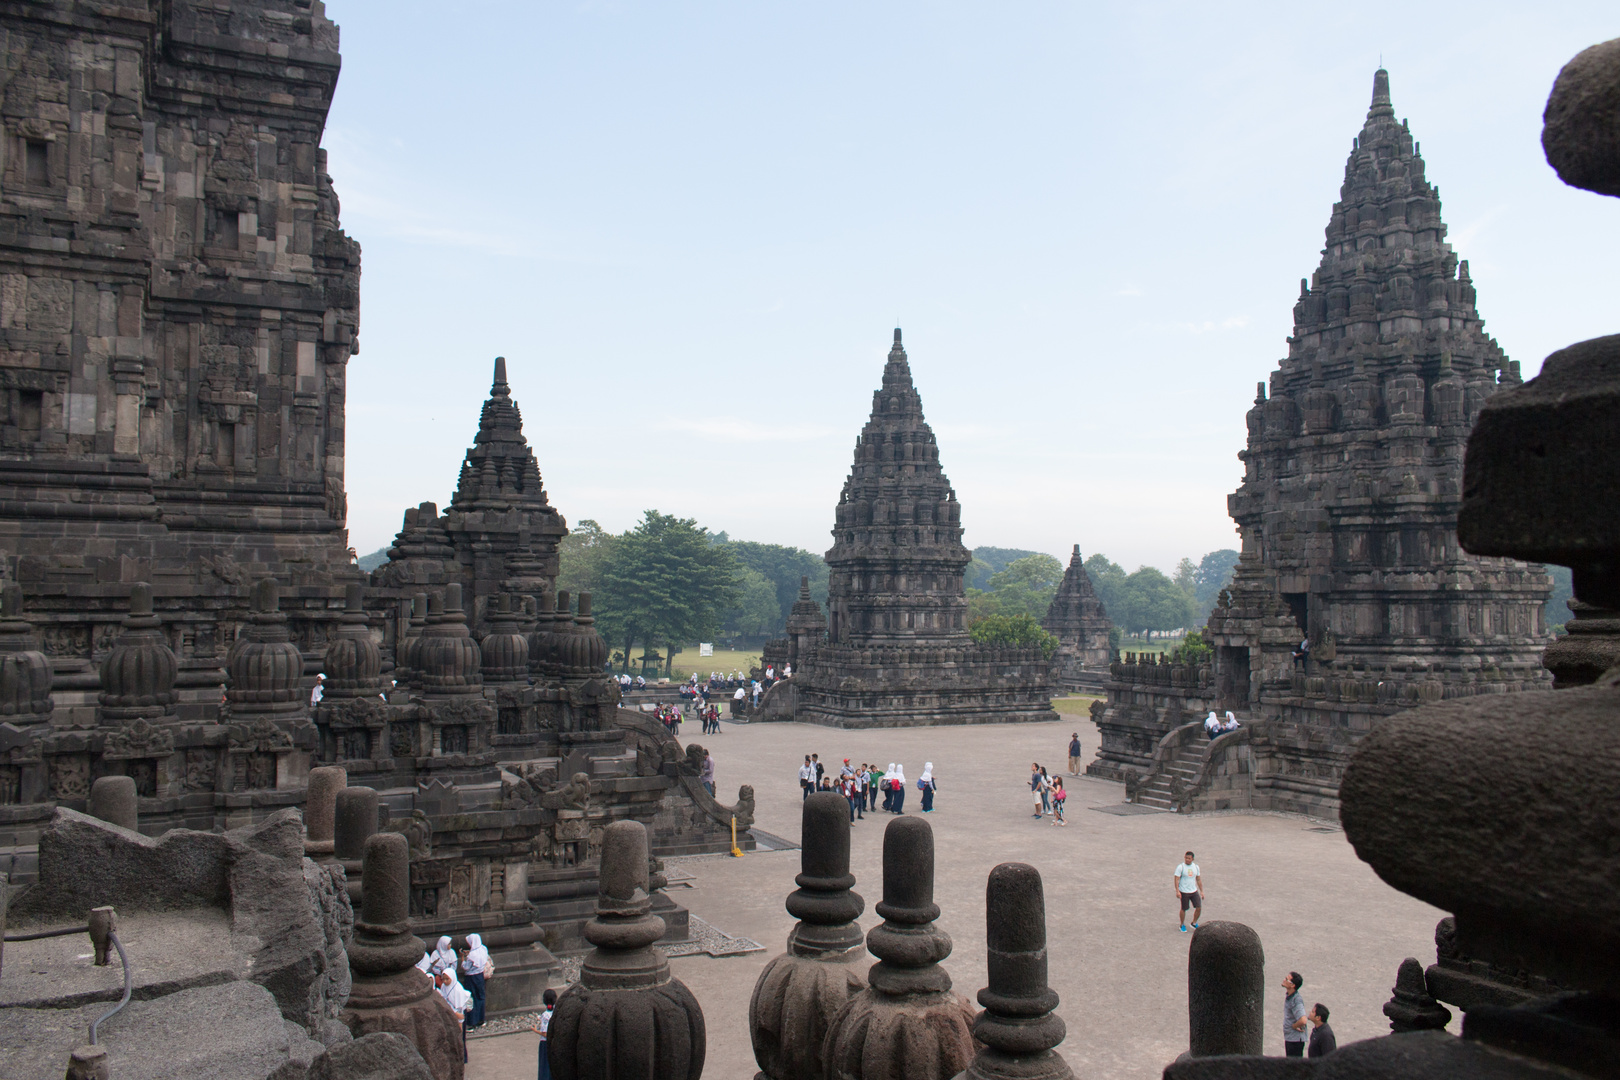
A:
[1294,1021]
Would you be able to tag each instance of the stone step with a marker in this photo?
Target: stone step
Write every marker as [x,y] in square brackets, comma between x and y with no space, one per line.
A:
[1158,802]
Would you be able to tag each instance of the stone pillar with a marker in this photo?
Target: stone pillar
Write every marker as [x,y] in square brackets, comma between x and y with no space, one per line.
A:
[354,821]
[800,992]
[1226,990]
[112,799]
[389,993]
[627,1016]
[1412,1008]
[907,1021]
[320,808]
[1018,1027]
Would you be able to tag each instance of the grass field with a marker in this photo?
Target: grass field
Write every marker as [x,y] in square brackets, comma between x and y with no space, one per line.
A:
[1078,705]
[688,662]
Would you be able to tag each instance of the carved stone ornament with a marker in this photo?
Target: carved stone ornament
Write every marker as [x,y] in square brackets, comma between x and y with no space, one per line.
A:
[140,739]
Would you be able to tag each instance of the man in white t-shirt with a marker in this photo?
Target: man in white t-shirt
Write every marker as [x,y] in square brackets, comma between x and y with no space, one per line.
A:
[1189,890]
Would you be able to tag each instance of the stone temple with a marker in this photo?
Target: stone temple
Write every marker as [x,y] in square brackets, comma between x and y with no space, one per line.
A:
[1077,618]
[1348,517]
[897,651]
[178,303]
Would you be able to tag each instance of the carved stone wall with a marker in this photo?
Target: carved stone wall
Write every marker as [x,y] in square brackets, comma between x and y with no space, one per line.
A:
[177,307]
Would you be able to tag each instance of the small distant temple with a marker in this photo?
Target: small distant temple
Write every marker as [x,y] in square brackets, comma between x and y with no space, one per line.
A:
[897,650]
[1352,599]
[1081,624]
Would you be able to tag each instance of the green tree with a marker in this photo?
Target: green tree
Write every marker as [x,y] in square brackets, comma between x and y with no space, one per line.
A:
[1019,631]
[1563,590]
[782,566]
[662,581]
[1214,573]
[1151,601]
[1193,650]
[580,555]
[756,614]
[1108,581]
[1025,587]
[1186,576]
[991,560]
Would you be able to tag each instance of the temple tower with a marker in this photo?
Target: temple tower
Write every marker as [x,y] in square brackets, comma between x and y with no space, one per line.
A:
[1081,624]
[1353,478]
[894,573]
[498,535]
[898,650]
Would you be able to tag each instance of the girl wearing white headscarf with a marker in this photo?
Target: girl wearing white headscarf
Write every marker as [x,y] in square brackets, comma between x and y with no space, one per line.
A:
[1212,723]
[926,783]
[455,995]
[886,782]
[442,958]
[475,967]
[899,775]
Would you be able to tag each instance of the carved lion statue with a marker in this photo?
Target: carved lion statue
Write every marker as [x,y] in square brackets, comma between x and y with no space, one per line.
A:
[576,794]
[693,765]
[744,810]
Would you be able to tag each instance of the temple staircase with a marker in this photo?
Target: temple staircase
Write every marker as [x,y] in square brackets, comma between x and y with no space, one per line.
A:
[1183,765]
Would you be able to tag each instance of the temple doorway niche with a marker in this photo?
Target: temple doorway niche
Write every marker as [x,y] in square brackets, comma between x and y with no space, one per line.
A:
[1232,679]
[1299,606]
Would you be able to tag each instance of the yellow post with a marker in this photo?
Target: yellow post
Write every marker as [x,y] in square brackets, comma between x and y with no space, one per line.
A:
[735,850]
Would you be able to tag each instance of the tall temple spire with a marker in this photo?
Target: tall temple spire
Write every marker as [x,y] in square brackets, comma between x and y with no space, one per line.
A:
[500,469]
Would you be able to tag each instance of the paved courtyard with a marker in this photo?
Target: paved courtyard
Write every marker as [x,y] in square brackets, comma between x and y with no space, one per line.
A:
[1118,962]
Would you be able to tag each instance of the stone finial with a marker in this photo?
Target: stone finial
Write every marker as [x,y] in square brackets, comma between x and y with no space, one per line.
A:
[353,662]
[1578,133]
[320,809]
[627,1016]
[113,800]
[25,672]
[505,648]
[137,677]
[1412,1008]
[1018,1027]
[907,1025]
[266,668]
[448,659]
[1226,990]
[388,992]
[801,991]
[354,821]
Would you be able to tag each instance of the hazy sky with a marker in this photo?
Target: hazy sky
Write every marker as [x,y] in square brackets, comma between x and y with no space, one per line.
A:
[692,227]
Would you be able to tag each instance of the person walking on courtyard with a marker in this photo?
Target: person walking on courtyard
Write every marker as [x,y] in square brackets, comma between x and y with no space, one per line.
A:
[1322,1041]
[848,788]
[1189,890]
[1046,791]
[899,806]
[820,769]
[886,781]
[874,787]
[1294,1021]
[862,779]
[925,784]
[1058,796]
[1035,785]
[706,774]
[807,777]
[549,1001]
[1074,754]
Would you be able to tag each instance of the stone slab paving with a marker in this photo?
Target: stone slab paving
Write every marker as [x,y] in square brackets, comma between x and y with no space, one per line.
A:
[1117,959]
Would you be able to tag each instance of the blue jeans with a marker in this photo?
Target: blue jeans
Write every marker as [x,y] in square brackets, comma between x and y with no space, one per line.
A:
[474,982]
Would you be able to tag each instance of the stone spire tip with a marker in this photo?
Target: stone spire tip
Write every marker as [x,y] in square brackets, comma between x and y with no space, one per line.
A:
[1380,97]
[499,382]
